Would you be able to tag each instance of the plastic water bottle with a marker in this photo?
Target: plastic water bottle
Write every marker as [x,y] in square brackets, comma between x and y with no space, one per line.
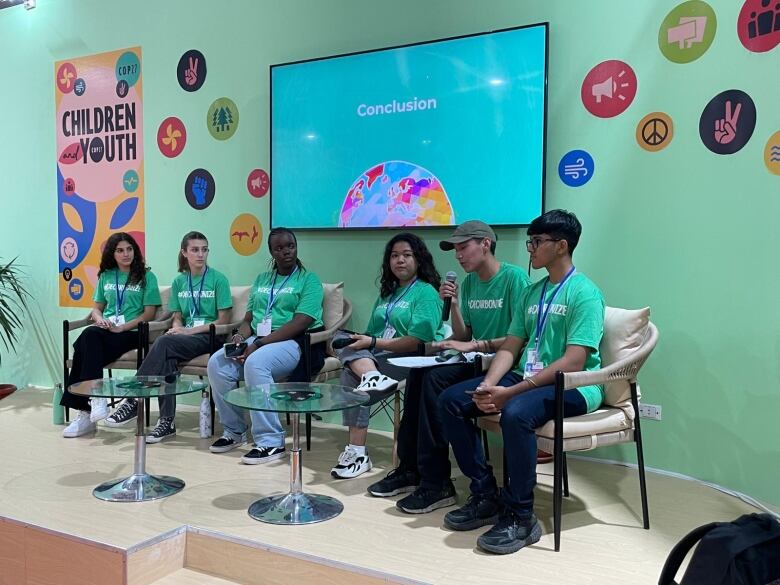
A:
[205,416]
[57,410]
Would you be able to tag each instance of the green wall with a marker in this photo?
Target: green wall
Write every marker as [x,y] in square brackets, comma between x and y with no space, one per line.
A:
[683,230]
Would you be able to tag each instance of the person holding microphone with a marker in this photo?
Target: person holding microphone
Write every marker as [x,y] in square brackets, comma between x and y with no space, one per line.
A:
[480,313]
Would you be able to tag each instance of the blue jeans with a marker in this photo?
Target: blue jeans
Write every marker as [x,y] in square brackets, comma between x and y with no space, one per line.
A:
[266,365]
[520,417]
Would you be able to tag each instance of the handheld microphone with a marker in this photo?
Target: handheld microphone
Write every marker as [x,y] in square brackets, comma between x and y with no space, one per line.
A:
[445,314]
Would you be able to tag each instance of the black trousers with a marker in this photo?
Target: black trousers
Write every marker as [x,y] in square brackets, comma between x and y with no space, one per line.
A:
[422,447]
[94,349]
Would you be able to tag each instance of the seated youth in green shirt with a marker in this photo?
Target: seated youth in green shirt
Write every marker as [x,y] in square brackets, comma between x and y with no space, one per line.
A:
[126,294]
[558,328]
[200,295]
[482,309]
[284,303]
[406,315]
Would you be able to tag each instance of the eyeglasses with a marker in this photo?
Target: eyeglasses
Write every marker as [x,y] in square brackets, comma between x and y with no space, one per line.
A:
[534,243]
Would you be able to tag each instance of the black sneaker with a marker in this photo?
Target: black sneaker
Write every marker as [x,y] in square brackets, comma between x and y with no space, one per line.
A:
[224,444]
[425,500]
[263,455]
[478,511]
[164,429]
[510,534]
[398,481]
[126,412]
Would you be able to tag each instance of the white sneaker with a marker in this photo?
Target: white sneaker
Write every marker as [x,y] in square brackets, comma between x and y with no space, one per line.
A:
[80,426]
[351,464]
[376,382]
[99,409]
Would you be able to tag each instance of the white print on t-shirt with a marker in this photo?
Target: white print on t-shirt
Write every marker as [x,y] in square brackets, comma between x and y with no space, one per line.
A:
[130,287]
[205,294]
[398,305]
[267,290]
[555,309]
[486,303]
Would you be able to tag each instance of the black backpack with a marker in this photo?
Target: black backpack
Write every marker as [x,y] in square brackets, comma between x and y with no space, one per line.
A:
[743,552]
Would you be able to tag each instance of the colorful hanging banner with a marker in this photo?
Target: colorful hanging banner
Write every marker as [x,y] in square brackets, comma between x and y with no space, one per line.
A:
[100,171]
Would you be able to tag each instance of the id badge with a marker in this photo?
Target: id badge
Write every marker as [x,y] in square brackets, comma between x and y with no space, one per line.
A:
[117,320]
[532,365]
[198,322]
[389,332]
[264,327]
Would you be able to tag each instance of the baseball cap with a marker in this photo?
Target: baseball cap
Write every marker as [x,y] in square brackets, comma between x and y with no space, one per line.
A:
[469,230]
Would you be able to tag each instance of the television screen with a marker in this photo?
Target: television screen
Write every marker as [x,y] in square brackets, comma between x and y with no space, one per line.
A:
[431,134]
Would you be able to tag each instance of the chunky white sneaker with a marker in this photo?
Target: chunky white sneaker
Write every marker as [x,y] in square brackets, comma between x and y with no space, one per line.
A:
[351,464]
[99,409]
[376,382]
[81,425]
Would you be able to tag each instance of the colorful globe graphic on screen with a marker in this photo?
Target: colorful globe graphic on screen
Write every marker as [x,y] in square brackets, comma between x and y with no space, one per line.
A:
[396,193]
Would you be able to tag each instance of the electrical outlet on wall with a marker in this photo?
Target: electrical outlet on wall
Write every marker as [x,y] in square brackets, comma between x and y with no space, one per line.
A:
[651,411]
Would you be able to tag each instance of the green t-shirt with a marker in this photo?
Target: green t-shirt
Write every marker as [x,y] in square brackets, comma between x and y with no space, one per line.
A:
[488,306]
[575,318]
[213,295]
[134,297]
[416,312]
[300,293]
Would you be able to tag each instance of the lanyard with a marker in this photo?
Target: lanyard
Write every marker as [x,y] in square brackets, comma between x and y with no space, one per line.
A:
[392,304]
[195,308]
[544,310]
[120,296]
[272,296]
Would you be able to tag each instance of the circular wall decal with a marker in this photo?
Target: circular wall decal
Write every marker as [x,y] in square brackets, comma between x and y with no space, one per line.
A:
[222,118]
[727,122]
[655,131]
[191,70]
[130,181]
[67,274]
[608,89]
[687,31]
[257,183]
[69,186]
[758,25]
[576,168]
[246,234]
[171,137]
[199,189]
[772,153]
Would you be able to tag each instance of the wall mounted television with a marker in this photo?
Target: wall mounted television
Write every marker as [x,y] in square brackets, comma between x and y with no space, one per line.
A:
[424,135]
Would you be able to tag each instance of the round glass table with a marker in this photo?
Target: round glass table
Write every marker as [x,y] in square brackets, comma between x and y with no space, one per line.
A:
[140,486]
[296,398]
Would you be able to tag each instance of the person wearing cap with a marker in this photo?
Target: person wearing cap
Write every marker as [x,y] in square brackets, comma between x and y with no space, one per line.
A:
[557,328]
[489,298]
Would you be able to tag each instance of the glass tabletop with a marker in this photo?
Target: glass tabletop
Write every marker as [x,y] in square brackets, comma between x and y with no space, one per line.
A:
[137,387]
[298,397]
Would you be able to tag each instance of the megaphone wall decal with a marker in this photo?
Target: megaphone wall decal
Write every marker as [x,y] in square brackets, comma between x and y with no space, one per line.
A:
[605,88]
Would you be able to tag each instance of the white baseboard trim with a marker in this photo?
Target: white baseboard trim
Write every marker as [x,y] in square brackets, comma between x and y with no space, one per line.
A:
[734,493]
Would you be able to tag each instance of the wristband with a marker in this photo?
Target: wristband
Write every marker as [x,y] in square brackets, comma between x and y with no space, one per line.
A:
[258,341]
[531,382]
[373,344]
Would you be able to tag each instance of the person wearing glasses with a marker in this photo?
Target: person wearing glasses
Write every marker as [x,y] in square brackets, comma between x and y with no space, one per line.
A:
[558,327]
[200,295]
[406,314]
[285,302]
[489,298]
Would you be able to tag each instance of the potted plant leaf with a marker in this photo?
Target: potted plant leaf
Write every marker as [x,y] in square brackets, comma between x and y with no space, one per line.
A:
[13,303]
